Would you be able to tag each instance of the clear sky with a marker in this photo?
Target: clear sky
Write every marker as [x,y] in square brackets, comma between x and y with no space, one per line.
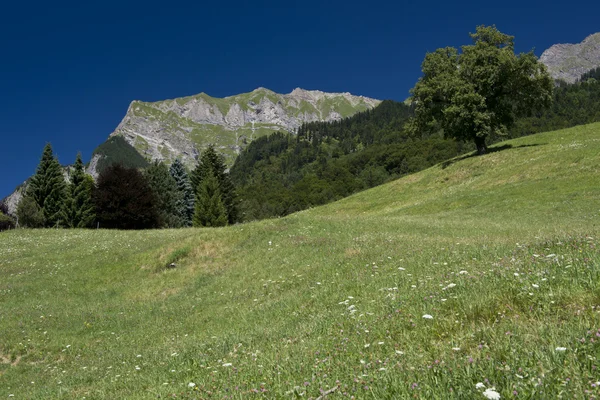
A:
[68,70]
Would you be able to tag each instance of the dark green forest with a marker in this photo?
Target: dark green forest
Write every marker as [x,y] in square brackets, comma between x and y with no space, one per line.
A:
[283,173]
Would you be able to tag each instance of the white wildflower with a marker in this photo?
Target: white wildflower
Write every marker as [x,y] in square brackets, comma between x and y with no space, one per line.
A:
[491,394]
[535,286]
[399,352]
[516,274]
[401,269]
[463,272]
[227,365]
[380,343]
[367,345]
[479,386]
[191,384]
[561,349]
[456,348]
[427,316]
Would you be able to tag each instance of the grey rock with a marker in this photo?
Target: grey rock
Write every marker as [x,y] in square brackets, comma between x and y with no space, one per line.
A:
[568,62]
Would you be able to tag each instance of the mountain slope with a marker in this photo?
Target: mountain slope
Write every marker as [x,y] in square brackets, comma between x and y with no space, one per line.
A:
[182,127]
[568,62]
[481,269]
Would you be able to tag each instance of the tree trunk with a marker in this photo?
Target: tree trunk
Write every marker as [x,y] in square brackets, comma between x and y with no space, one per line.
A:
[481,146]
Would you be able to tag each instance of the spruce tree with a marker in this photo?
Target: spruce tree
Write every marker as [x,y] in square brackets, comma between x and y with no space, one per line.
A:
[185,204]
[166,193]
[48,189]
[210,210]
[79,207]
[210,160]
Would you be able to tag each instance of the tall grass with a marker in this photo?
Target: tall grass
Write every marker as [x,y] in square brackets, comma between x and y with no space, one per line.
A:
[500,251]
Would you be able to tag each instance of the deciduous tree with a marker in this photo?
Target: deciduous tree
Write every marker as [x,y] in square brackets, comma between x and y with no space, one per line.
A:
[479,92]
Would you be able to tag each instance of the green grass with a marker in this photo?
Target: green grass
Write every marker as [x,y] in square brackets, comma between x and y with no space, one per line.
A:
[502,251]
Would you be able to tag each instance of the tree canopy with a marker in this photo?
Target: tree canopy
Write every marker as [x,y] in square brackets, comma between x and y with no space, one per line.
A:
[479,92]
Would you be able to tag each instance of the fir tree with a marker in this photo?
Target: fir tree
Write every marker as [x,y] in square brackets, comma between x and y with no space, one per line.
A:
[48,189]
[211,161]
[210,210]
[166,193]
[185,205]
[79,207]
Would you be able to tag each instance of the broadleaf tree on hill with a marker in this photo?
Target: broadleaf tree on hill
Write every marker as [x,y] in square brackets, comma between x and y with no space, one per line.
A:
[479,92]
[124,200]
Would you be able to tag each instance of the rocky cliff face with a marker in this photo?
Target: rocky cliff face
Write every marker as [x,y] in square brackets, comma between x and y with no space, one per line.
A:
[182,127]
[569,61]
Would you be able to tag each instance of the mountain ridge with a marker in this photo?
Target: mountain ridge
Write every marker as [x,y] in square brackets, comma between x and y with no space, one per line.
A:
[183,126]
[567,62]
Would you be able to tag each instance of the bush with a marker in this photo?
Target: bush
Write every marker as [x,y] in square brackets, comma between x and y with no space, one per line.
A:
[6,222]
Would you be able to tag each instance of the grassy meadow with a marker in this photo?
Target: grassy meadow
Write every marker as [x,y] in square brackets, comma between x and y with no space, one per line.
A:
[476,277]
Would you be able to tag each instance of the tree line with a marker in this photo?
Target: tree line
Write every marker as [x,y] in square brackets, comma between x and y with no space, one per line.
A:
[126,197]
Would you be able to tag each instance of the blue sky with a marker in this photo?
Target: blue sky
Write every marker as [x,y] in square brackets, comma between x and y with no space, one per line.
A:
[68,70]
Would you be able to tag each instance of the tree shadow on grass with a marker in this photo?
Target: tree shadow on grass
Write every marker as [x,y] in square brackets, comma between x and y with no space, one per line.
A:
[494,149]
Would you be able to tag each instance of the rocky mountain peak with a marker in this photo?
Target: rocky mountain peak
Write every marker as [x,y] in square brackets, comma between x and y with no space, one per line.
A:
[182,127]
[568,62]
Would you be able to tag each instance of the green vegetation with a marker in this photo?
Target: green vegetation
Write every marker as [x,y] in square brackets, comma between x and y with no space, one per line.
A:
[166,194]
[124,199]
[215,195]
[185,201]
[283,173]
[573,104]
[501,250]
[481,91]
[116,150]
[79,207]
[48,190]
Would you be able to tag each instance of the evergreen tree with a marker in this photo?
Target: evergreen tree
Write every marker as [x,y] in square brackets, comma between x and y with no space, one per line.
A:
[79,207]
[166,193]
[210,209]
[211,161]
[30,214]
[124,200]
[48,189]
[185,204]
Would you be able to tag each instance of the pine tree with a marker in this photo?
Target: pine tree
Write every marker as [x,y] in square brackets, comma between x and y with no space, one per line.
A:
[48,189]
[211,161]
[166,193]
[210,210]
[79,207]
[185,205]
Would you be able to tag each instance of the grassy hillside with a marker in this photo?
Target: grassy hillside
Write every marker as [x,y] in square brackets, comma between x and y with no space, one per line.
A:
[500,250]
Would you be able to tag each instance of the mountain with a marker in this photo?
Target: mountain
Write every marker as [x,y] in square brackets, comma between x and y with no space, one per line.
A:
[568,62]
[182,127]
